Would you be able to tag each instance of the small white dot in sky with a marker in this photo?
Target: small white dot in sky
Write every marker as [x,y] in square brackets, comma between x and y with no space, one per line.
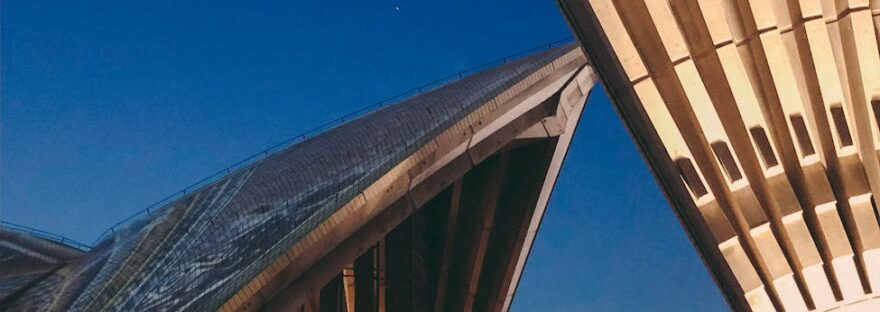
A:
[397,8]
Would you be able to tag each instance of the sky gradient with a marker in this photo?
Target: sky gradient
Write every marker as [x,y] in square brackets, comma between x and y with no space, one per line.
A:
[108,106]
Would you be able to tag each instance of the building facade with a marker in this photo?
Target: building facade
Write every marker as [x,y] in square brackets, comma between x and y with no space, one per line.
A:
[758,118]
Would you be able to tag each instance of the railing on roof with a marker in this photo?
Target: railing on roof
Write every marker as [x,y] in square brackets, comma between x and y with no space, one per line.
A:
[324,127]
[46,235]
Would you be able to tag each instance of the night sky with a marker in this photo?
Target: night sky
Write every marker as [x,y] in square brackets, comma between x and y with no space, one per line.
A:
[108,106]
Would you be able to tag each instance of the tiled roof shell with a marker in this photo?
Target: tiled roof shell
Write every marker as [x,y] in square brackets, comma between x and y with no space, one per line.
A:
[196,252]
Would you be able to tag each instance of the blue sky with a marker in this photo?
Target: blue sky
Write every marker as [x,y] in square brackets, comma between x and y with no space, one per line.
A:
[108,106]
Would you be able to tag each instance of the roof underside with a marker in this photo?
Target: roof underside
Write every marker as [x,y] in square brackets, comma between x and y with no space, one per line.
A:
[759,119]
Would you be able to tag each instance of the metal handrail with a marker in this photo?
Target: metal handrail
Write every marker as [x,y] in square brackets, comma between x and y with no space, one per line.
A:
[324,127]
[46,235]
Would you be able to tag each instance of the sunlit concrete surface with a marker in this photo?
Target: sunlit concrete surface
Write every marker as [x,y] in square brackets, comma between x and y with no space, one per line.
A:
[760,120]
